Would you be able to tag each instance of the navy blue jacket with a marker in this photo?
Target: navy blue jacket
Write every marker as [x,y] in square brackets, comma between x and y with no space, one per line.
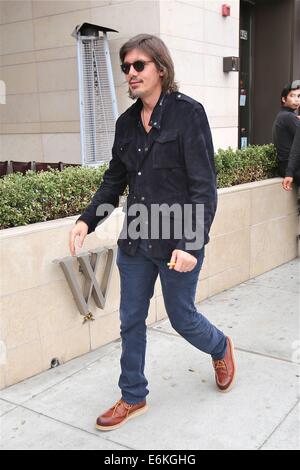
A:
[174,163]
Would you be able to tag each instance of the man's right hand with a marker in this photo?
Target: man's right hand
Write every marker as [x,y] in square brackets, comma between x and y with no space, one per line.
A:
[79,230]
[287,183]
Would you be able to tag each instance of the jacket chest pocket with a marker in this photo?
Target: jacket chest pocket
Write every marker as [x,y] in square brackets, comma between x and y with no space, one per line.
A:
[126,153]
[166,151]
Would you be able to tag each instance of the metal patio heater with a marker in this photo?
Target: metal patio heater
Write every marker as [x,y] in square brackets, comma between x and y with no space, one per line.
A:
[97,97]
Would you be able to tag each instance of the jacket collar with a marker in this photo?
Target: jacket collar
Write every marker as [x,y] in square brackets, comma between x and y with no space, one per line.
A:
[289,110]
[157,113]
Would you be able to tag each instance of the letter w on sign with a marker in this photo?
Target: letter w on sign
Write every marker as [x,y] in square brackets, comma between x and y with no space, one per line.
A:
[88,266]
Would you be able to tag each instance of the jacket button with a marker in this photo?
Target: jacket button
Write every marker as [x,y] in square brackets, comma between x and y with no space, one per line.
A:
[149,246]
[129,243]
[139,173]
[139,150]
[142,198]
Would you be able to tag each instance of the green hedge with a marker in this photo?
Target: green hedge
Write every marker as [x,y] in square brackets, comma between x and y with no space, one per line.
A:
[37,197]
[254,163]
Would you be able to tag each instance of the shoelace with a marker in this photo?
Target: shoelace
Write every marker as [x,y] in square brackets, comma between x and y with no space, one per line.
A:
[221,364]
[121,402]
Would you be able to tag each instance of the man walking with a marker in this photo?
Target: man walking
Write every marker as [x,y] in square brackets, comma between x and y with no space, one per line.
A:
[163,150]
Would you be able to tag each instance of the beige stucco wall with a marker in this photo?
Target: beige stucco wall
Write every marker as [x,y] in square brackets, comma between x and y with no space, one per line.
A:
[198,38]
[255,230]
[40,120]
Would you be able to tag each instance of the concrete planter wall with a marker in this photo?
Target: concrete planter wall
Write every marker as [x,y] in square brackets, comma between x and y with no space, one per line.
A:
[255,230]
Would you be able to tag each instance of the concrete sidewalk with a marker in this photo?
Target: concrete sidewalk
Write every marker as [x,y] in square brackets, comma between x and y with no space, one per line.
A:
[57,409]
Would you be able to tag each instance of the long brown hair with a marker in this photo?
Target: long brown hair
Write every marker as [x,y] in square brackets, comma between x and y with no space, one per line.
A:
[156,49]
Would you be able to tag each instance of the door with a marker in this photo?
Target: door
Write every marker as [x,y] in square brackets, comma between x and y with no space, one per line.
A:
[245,75]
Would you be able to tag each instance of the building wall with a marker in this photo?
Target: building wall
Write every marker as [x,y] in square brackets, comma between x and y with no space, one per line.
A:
[198,38]
[40,120]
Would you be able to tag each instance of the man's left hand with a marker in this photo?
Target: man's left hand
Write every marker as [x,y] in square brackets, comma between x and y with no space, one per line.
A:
[182,261]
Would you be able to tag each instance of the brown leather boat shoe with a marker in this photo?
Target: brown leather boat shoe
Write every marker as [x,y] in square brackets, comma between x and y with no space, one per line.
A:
[225,369]
[119,414]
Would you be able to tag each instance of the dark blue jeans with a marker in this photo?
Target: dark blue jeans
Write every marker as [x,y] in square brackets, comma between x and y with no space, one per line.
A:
[138,275]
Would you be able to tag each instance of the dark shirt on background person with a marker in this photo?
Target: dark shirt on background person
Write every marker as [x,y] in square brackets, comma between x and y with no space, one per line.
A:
[284,130]
[293,167]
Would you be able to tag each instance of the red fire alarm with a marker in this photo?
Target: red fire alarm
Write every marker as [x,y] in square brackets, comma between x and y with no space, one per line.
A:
[225,10]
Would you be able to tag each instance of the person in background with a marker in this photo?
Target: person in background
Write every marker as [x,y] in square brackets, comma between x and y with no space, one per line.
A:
[294,163]
[284,130]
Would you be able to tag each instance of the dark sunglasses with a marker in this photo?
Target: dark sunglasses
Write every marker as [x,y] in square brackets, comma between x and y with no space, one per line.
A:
[138,66]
